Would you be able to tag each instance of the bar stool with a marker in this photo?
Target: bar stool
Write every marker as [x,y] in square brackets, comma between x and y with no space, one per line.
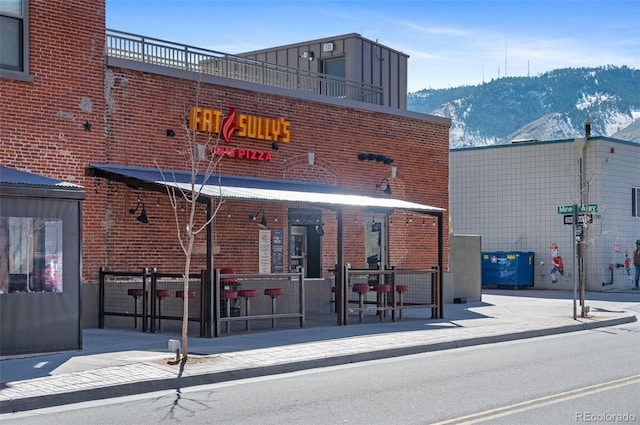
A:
[401,289]
[227,296]
[273,293]
[160,294]
[361,289]
[226,281]
[135,293]
[230,284]
[334,291]
[382,291]
[247,294]
[190,294]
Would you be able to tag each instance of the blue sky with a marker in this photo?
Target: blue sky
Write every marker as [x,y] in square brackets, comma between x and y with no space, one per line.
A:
[450,42]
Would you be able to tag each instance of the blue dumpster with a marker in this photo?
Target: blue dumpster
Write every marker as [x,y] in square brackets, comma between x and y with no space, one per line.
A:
[507,268]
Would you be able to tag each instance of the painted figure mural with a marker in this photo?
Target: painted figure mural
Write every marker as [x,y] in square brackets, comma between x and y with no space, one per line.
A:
[556,260]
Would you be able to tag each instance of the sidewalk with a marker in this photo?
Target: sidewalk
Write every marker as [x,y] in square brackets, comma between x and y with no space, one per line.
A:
[120,362]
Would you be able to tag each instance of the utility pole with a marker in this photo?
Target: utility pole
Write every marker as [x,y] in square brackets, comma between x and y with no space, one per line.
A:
[581,146]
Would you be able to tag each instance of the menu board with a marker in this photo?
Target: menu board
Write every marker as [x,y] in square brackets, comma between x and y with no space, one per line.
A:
[264,257]
[277,251]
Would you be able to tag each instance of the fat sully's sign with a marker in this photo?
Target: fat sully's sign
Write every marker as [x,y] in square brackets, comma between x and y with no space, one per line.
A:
[274,130]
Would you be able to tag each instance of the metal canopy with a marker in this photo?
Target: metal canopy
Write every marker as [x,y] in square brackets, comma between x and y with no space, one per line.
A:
[247,188]
[19,183]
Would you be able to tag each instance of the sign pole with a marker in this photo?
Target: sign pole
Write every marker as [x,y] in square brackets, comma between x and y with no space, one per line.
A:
[575,260]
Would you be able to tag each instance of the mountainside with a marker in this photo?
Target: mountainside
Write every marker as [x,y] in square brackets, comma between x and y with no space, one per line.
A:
[550,106]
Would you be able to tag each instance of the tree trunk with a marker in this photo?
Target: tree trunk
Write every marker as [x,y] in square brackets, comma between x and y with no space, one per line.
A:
[185,300]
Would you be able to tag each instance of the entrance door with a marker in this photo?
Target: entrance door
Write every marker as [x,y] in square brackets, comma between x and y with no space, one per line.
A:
[306,250]
[336,68]
[375,240]
[305,241]
[298,248]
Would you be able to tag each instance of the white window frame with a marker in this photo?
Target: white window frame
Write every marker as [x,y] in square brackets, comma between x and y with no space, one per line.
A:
[635,202]
[18,74]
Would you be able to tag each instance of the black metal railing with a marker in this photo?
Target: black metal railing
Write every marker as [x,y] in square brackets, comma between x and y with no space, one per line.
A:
[173,55]
[390,291]
[151,297]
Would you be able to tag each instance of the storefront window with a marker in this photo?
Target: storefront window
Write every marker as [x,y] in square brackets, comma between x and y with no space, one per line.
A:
[30,255]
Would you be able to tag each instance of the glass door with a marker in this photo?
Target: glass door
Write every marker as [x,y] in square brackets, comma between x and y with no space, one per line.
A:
[298,248]
[375,239]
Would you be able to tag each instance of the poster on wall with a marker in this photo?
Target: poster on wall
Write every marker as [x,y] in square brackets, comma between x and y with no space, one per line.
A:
[277,250]
[264,261]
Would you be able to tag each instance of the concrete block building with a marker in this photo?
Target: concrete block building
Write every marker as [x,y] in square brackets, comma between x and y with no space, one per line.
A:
[518,197]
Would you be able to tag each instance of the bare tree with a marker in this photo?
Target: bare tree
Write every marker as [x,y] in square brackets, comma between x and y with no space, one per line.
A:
[202,160]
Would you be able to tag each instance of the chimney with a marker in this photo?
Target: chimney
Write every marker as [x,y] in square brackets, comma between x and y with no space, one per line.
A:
[587,128]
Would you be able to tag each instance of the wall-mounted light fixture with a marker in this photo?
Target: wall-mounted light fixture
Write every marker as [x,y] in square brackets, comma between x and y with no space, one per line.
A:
[142,218]
[275,146]
[374,157]
[171,133]
[307,55]
[263,222]
[387,189]
[320,229]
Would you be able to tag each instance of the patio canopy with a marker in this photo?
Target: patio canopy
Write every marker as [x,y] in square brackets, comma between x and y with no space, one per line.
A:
[248,188]
[283,191]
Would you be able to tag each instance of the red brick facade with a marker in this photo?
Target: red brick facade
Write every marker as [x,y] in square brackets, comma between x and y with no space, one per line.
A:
[130,111]
[42,122]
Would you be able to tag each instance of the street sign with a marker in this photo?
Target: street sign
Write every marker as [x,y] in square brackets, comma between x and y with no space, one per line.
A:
[582,209]
[582,219]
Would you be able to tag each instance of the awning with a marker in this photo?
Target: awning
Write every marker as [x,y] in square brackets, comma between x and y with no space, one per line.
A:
[19,183]
[284,191]
[14,176]
[248,188]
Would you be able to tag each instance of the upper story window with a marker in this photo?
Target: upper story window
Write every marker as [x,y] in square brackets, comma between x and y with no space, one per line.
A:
[13,40]
[635,201]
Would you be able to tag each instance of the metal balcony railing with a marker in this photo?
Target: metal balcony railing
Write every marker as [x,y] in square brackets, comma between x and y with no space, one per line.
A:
[165,53]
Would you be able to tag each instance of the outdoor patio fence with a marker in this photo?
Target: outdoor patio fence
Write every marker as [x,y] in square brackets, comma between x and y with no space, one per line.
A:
[151,297]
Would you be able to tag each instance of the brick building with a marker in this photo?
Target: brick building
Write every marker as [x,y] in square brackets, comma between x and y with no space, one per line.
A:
[78,99]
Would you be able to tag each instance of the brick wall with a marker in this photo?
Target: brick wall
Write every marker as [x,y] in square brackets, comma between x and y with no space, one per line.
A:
[144,105]
[129,111]
[41,122]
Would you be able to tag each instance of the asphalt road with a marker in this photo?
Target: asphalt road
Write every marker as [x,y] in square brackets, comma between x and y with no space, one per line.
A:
[583,377]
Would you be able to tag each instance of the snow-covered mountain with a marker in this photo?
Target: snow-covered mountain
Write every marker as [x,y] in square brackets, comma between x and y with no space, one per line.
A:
[550,106]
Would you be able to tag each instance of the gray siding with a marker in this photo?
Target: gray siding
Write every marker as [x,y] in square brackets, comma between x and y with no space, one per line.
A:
[509,195]
[365,61]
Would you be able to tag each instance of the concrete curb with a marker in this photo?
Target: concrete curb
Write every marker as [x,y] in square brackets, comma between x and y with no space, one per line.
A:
[50,400]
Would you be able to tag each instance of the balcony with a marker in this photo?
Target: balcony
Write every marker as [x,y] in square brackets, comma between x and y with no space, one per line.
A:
[164,53]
